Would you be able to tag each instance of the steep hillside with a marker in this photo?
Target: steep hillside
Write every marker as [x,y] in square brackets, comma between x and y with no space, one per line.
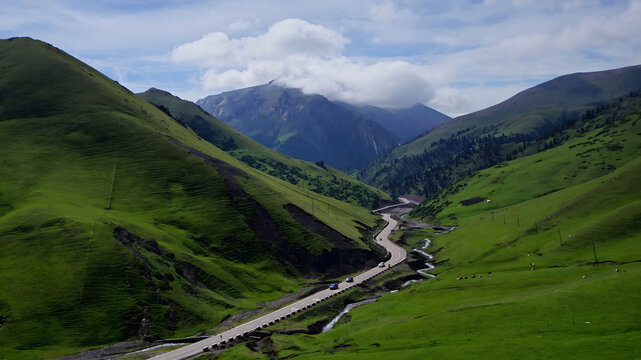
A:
[406,123]
[605,143]
[550,268]
[317,177]
[307,127]
[117,222]
[536,110]
[517,127]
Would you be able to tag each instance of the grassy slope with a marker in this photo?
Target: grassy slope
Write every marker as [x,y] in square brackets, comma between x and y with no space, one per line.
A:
[566,308]
[538,106]
[71,137]
[323,180]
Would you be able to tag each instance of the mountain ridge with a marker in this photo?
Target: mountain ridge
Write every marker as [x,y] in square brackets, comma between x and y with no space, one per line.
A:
[305,126]
[552,96]
[406,123]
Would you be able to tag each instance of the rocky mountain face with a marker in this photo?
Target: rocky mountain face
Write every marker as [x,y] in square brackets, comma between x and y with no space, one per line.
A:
[309,126]
[406,123]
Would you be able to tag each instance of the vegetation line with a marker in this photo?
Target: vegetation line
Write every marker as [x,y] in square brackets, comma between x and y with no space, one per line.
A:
[113,180]
[113,175]
[296,189]
[93,226]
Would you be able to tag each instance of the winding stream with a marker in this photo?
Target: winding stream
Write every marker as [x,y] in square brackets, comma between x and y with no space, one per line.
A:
[423,272]
[347,309]
[429,265]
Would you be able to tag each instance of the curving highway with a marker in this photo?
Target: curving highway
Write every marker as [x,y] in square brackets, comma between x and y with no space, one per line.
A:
[398,254]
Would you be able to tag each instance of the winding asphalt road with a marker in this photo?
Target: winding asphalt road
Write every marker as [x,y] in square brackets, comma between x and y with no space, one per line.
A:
[398,254]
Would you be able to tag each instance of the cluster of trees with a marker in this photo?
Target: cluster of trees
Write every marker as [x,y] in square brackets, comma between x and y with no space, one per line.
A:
[449,160]
[345,190]
[334,187]
[277,169]
[458,156]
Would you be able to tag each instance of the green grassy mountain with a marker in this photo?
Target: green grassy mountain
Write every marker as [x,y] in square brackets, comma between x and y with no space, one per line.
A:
[549,269]
[118,222]
[502,132]
[308,127]
[540,108]
[614,141]
[318,177]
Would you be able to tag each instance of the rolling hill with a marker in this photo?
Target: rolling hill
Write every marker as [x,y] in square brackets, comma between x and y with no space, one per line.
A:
[118,222]
[311,127]
[318,177]
[516,127]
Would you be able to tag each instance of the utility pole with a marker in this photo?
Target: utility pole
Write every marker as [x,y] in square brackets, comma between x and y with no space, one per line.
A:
[594,250]
[560,239]
[518,223]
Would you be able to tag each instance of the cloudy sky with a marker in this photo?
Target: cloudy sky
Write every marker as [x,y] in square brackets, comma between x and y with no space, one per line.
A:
[456,56]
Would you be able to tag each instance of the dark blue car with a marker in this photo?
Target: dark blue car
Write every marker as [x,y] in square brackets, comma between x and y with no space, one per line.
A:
[334,286]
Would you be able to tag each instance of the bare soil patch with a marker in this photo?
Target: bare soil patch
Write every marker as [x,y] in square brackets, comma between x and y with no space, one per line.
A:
[472,201]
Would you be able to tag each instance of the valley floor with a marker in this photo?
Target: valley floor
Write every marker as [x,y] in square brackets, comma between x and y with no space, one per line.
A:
[551,276]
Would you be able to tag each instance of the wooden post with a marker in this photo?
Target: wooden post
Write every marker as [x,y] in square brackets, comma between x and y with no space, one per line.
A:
[560,239]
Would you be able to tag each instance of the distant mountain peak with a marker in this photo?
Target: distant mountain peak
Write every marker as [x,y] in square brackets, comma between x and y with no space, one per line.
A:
[313,127]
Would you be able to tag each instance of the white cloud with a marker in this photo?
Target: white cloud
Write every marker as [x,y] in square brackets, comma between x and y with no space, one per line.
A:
[386,83]
[288,37]
[239,26]
[298,54]
[213,49]
[450,100]
[389,23]
[295,37]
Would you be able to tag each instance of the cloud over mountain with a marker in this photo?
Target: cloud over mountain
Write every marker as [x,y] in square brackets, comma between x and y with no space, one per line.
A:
[299,54]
